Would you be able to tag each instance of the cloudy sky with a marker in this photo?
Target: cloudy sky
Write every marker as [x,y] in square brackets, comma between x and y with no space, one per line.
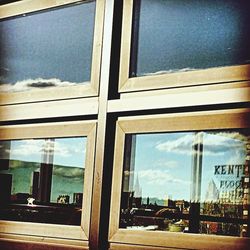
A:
[47,49]
[163,161]
[68,153]
[54,48]
[185,35]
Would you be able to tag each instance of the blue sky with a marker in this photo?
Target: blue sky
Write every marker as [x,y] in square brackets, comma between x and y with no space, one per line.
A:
[161,173]
[163,161]
[50,45]
[54,48]
[68,152]
[186,35]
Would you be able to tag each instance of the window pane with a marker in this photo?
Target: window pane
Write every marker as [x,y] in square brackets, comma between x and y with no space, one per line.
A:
[51,48]
[187,35]
[193,182]
[42,180]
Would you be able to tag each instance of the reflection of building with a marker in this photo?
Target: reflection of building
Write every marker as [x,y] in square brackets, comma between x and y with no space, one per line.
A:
[246,194]
[4,155]
[63,199]
[132,198]
[20,197]
[126,201]
[137,193]
[231,179]
[45,182]
[77,198]
[212,193]
[137,188]
[35,184]
[168,202]
[180,204]
[5,188]
[46,171]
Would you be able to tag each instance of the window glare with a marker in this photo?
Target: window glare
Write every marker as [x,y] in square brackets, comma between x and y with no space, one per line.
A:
[48,172]
[186,182]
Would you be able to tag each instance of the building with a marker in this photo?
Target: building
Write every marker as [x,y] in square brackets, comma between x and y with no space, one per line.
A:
[122,87]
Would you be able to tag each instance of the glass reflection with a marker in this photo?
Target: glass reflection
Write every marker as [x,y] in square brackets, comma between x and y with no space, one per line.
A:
[179,36]
[42,180]
[51,48]
[193,182]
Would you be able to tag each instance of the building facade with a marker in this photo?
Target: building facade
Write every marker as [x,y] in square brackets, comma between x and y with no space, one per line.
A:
[124,124]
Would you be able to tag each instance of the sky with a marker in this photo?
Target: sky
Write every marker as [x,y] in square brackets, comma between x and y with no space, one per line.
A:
[51,48]
[54,48]
[163,162]
[186,35]
[68,153]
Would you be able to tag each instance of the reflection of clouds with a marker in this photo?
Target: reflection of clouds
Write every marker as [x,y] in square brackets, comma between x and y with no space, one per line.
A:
[56,148]
[238,157]
[69,172]
[66,150]
[214,143]
[218,144]
[18,164]
[169,71]
[180,145]
[38,83]
[28,147]
[233,135]
[159,177]
[166,164]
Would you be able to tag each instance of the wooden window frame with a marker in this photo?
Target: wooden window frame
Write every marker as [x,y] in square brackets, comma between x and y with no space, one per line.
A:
[45,231]
[87,90]
[191,121]
[168,80]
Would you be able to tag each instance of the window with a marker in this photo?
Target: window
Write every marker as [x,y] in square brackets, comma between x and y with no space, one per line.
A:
[40,173]
[92,89]
[50,52]
[46,175]
[175,36]
[181,174]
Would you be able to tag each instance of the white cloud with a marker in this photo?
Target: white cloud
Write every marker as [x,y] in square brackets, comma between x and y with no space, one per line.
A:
[181,145]
[236,158]
[219,143]
[69,172]
[214,143]
[28,147]
[169,71]
[37,147]
[38,83]
[66,150]
[233,135]
[166,164]
[159,177]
